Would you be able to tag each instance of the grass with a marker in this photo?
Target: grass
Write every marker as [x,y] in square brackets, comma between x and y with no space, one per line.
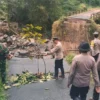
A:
[2,92]
[69,58]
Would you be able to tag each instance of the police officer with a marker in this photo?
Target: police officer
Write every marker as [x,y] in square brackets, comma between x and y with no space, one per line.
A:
[79,76]
[58,51]
[95,50]
[4,54]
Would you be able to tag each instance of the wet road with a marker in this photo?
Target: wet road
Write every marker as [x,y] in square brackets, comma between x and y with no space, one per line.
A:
[50,90]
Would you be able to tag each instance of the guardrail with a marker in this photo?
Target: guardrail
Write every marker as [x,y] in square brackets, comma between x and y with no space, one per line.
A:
[75,12]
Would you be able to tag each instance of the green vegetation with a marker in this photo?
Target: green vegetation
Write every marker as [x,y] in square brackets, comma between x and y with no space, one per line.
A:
[69,57]
[2,93]
[31,31]
[3,9]
[42,12]
[27,78]
[94,25]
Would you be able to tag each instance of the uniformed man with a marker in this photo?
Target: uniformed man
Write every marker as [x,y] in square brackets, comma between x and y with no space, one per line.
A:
[95,51]
[58,51]
[4,54]
[79,76]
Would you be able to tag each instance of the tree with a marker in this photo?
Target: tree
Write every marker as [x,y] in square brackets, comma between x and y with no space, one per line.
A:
[31,31]
[18,11]
[70,5]
[44,12]
[3,9]
[37,12]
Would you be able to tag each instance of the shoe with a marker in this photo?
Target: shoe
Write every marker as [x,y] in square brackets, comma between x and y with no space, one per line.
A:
[55,78]
[90,99]
[62,76]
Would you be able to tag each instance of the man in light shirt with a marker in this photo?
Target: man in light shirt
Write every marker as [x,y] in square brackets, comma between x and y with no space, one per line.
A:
[58,51]
[79,76]
[95,51]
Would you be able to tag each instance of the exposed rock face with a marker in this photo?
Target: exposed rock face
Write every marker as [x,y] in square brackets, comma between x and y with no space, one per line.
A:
[74,32]
[74,29]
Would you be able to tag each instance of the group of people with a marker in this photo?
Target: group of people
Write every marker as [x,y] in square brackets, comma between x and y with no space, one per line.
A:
[87,61]
[82,65]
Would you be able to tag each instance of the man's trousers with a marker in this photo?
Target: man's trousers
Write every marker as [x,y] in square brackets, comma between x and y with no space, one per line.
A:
[79,93]
[3,70]
[95,94]
[59,64]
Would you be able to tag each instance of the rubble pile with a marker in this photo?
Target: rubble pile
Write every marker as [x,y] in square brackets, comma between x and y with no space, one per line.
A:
[20,47]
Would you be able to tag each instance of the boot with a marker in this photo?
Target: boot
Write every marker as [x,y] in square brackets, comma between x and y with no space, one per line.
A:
[77,98]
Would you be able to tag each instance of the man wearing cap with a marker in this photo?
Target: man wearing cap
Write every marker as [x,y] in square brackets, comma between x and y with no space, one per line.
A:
[58,51]
[79,76]
[95,51]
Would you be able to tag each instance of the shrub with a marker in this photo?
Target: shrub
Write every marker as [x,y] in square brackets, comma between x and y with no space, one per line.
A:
[2,92]
[82,7]
[70,57]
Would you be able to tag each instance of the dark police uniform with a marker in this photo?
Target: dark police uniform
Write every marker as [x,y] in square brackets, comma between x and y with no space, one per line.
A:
[3,54]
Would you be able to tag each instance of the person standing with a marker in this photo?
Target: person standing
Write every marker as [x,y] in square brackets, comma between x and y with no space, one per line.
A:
[4,54]
[49,45]
[95,51]
[58,51]
[79,76]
